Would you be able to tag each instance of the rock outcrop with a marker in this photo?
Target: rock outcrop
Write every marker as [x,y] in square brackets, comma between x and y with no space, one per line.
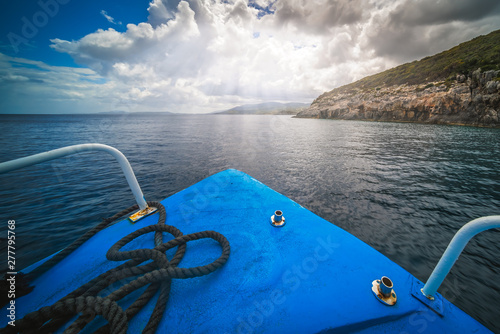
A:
[472,99]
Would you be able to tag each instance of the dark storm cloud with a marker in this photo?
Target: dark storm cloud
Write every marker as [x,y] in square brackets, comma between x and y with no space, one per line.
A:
[429,12]
[311,17]
[415,29]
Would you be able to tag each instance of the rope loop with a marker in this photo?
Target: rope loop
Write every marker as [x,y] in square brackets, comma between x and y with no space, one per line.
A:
[87,300]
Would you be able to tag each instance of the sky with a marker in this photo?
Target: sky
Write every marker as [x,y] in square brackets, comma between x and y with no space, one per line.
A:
[198,56]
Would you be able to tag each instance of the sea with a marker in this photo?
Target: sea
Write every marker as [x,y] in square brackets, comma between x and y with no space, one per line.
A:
[403,188]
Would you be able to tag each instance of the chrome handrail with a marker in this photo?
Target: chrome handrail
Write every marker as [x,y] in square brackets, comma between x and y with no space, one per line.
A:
[68,150]
[454,249]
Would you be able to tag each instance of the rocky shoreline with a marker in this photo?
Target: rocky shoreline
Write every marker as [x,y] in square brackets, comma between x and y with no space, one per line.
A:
[467,100]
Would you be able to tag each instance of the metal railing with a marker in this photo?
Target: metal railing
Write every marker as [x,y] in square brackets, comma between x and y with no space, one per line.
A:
[455,248]
[69,150]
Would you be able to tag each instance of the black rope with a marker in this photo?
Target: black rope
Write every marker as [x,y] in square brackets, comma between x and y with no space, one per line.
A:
[131,275]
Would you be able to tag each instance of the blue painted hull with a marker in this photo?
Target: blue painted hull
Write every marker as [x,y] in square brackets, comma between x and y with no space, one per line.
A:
[306,277]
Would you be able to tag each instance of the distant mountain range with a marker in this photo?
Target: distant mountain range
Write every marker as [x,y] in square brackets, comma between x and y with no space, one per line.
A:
[268,108]
[122,112]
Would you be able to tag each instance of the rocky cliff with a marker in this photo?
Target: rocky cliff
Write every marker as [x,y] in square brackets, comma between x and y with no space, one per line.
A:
[472,99]
[457,86]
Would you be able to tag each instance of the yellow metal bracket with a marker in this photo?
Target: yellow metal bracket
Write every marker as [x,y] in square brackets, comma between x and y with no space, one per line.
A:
[142,213]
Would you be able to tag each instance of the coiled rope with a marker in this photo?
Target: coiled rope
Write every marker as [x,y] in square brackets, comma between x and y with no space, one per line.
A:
[158,274]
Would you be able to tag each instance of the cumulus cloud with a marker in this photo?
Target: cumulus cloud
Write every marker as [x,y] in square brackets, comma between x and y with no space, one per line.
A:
[199,55]
[161,11]
[191,54]
[140,43]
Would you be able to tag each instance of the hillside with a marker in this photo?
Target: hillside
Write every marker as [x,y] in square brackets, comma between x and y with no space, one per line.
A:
[269,108]
[457,86]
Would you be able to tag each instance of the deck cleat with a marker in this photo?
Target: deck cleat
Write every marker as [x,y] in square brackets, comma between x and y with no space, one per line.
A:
[277,220]
[382,289]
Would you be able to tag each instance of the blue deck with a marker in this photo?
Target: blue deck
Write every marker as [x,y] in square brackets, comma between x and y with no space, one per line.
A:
[306,277]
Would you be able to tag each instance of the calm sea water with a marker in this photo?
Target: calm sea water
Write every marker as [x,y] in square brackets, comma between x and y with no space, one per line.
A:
[404,189]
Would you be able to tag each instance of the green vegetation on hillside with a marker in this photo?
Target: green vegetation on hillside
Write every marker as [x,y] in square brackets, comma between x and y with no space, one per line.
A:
[481,52]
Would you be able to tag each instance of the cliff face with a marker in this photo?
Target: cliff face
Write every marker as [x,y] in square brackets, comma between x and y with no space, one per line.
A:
[468,100]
